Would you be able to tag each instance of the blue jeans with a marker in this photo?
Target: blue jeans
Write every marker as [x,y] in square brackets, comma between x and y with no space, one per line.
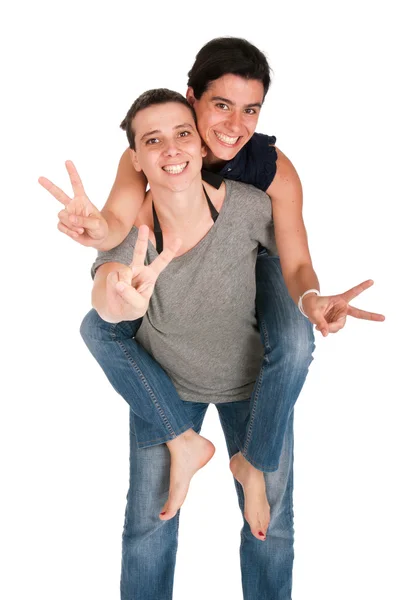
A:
[150,545]
[288,342]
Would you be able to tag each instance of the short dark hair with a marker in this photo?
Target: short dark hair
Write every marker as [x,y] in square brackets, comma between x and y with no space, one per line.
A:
[228,55]
[149,98]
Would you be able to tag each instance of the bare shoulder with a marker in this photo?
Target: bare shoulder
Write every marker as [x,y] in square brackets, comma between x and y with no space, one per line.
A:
[144,217]
[286,180]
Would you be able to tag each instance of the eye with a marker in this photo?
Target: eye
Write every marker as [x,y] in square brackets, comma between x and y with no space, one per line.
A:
[152,141]
[184,133]
[250,111]
[222,106]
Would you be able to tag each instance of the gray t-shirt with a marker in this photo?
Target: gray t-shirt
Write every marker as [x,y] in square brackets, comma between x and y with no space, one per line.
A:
[200,325]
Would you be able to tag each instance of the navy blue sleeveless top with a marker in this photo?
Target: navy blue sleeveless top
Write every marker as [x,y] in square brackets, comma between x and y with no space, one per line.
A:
[255,163]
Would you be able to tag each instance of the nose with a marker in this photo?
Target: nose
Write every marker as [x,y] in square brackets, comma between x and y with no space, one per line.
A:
[234,122]
[171,148]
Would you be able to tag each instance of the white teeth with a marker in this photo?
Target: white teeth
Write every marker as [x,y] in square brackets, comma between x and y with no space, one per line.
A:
[226,139]
[175,169]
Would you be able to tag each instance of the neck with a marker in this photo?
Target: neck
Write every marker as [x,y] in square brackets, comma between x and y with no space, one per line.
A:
[180,211]
[212,162]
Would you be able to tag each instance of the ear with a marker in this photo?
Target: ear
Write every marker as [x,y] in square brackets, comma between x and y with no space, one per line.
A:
[134,160]
[190,96]
[203,150]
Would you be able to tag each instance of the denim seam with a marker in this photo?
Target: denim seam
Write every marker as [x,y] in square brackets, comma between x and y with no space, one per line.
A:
[147,387]
[290,496]
[143,381]
[267,349]
[253,410]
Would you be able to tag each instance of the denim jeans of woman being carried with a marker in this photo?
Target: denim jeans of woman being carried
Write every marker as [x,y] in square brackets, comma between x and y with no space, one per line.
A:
[288,342]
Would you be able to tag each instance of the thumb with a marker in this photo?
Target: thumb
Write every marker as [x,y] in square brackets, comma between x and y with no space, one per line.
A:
[322,325]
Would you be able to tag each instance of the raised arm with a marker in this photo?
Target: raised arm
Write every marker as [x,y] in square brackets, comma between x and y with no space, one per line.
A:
[105,229]
[124,202]
[286,195]
[328,313]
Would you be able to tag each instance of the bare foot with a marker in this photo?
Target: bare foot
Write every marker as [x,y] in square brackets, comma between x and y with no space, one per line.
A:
[257,509]
[189,452]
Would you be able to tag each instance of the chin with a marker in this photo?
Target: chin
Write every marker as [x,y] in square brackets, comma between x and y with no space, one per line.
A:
[179,186]
[224,153]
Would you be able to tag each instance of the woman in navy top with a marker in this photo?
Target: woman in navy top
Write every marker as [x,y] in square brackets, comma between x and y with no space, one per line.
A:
[227,85]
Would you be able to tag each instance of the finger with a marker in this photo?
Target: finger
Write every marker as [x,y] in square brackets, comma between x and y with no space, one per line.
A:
[318,318]
[324,329]
[337,325]
[141,247]
[364,314]
[115,277]
[112,277]
[165,257]
[356,290]
[91,223]
[65,219]
[130,295]
[75,180]
[67,231]
[125,275]
[54,191]
[322,325]
[146,290]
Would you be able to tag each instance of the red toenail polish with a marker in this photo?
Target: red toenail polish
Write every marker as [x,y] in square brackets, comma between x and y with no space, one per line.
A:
[163,513]
[260,533]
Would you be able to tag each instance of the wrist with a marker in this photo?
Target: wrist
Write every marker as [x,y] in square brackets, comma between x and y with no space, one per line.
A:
[108,317]
[102,245]
[305,300]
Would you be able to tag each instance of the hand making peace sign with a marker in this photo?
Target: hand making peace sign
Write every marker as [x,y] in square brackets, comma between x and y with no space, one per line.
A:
[329,313]
[80,219]
[129,289]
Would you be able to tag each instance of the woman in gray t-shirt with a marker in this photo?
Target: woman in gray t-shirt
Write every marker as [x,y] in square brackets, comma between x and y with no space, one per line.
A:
[199,324]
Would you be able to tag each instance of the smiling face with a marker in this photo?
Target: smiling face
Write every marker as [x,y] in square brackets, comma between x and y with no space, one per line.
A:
[168,148]
[227,114]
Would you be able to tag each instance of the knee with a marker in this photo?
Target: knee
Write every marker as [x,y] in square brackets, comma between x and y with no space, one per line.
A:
[148,554]
[282,522]
[93,327]
[142,525]
[297,342]
[291,341]
[281,502]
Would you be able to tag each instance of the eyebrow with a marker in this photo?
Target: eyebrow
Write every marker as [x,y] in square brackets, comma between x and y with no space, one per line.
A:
[227,101]
[155,131]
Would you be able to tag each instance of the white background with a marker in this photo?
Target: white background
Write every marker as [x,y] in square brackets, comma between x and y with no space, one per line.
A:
[70,71]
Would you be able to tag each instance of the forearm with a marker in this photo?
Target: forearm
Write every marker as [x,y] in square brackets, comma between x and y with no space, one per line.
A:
[124,202]
[291,237]
[117,231]
[301,280]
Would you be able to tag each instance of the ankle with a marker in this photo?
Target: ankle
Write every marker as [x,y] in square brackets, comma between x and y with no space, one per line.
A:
[182,439]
